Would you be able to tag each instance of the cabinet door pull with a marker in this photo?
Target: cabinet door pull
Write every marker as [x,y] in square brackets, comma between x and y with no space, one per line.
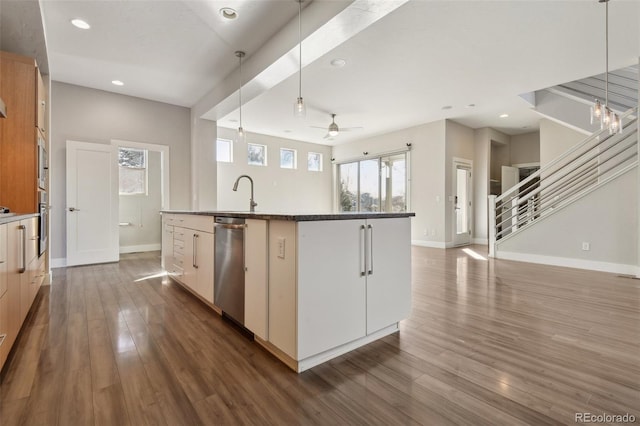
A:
[363,232]
[2,337]
[23,267]
[195,250]
[370,272]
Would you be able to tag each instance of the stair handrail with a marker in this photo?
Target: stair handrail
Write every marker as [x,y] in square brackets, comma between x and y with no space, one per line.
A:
[569,152]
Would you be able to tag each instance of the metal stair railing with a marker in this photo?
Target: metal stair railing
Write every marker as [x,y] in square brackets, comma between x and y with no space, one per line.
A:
[597,159]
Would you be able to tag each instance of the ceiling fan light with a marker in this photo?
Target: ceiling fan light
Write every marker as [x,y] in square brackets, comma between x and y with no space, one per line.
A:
[299,108]
[333,132]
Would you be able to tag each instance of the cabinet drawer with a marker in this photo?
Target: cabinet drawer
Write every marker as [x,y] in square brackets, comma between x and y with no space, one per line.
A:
[179,235]
[199,223]
[31,238]
[168,219]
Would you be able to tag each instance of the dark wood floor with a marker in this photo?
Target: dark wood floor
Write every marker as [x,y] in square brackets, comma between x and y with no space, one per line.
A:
[488,343]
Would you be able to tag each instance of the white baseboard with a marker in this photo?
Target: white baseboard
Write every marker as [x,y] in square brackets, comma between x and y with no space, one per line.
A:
[482,241]
[432,244]
[592,265]
[60,262]
[140,248]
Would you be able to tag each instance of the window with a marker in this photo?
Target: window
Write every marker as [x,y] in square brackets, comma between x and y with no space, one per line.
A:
[133,171]
[288,158]
[374,185]
[257,154]
[224,151]
[314,162]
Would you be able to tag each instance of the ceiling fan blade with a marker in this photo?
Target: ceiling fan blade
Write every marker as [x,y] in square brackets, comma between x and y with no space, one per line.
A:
[348,129]
[318,127]
[327,136]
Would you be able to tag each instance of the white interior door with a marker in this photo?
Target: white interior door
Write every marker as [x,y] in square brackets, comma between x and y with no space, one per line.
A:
[92,203]
[462,204]
[510,177]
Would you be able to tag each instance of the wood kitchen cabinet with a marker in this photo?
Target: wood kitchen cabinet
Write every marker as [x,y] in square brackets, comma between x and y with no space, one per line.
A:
[23,274]
[18,151]
[4,299]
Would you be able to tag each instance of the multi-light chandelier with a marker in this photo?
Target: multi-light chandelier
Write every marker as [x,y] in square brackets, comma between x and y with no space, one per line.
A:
[240,136]
[601,112]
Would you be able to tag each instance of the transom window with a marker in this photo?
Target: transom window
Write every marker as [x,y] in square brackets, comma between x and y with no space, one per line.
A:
[288,158]
[314,162]
[256,154]
[224,151]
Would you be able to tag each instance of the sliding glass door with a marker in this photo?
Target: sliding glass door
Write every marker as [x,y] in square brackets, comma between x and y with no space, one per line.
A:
[374,185]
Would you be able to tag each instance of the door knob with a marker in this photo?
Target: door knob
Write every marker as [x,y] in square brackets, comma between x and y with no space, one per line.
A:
[73,209]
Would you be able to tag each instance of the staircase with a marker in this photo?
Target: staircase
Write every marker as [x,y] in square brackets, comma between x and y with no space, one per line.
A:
[598,160]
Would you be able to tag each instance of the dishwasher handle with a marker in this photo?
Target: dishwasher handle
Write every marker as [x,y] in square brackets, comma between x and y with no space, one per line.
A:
[230,225]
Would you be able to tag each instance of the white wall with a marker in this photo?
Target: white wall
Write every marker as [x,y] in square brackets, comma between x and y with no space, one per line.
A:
[606,218]
[427,181]
[556,139]
[275,189]
[525,148]
[89,115]
[142,211]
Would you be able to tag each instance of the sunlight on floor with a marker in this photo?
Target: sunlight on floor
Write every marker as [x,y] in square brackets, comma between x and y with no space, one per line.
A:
[473,254]
[149,277]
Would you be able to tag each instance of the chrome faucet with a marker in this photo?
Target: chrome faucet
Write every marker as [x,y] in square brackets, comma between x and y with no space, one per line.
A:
[252,204]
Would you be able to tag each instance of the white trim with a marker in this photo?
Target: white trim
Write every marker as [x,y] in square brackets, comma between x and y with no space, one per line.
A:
[464,164]
[483,241]
[165,181]
[60,262]
[526,165]
[318,359]
[593,265]
[433,244]
[140,248]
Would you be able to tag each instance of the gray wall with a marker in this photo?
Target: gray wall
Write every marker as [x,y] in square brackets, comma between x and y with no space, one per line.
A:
[142,212]
[276,189]
[525,148]
[88,115]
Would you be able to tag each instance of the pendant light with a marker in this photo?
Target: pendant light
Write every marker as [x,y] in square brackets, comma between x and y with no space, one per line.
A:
[240,136]
[608,119]
[299,108]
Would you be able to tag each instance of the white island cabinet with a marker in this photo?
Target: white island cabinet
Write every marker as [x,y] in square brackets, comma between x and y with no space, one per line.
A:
[317,286]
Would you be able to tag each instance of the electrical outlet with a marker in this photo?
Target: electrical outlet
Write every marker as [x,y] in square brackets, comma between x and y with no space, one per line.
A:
[586,246]
[281,243]
[425,232]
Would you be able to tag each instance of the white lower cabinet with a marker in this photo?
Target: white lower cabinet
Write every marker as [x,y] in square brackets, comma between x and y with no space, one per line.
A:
[192,253]
[347,297]
[256,293]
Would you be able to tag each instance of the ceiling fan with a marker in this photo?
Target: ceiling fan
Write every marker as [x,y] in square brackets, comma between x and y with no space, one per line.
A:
[333,130]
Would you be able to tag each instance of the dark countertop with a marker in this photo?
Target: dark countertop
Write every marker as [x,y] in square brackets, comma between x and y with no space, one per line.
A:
[296,217]
[5,218]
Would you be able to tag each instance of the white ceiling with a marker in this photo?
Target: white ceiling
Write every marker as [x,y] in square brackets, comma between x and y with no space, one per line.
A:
[401,69]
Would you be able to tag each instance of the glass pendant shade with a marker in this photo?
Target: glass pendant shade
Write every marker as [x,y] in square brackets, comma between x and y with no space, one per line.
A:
[299,108]
[241,135]
[596,112]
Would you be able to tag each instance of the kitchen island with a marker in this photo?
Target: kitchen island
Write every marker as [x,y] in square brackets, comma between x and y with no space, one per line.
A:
[316,286]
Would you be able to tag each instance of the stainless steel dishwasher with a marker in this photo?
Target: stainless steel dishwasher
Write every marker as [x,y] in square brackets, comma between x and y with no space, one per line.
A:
[229,267]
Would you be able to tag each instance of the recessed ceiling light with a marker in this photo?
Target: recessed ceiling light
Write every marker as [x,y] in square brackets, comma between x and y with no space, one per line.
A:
[288,131]
[117,83]
[338,63]
[228,13]
[447,107]
[233,120]
[80,23]
[505,115]
[470,105]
